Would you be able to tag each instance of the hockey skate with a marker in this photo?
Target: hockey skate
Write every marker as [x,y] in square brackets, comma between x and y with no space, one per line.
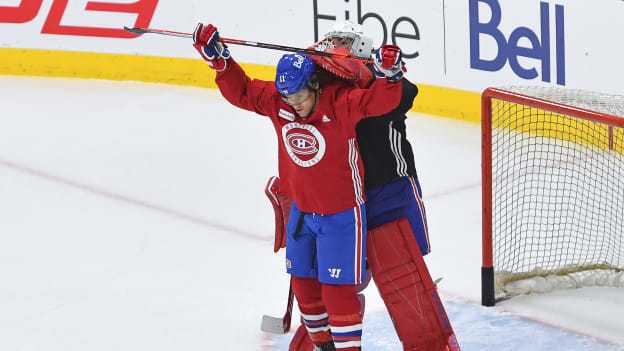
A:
[326,346]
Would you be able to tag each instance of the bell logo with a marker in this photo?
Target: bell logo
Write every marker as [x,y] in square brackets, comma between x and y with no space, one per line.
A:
[299,61]
[510,49]
[334,272]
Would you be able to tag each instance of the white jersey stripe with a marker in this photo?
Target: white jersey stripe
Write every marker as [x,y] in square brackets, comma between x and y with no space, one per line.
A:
[399,147]
[359,179]
[421,206]
[400,153]
[394,137]
[397,156]
[355,172]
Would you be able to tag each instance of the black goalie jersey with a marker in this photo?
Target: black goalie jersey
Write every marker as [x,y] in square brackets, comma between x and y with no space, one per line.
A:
[385,151]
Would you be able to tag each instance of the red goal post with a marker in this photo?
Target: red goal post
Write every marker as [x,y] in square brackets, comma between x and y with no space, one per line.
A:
[552,184]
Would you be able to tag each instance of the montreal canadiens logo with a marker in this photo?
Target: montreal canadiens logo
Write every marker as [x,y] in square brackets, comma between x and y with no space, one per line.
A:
[304,143]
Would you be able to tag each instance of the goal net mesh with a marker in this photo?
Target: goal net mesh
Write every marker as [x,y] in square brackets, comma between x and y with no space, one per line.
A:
[557,187]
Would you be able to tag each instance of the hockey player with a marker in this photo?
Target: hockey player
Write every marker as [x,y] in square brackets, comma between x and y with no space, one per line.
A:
[398,236]
[319,160]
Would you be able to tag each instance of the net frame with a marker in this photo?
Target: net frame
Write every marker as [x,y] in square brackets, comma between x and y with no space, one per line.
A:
[591,107]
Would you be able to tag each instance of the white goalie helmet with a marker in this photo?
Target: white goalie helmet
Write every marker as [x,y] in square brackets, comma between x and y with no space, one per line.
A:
[362,45]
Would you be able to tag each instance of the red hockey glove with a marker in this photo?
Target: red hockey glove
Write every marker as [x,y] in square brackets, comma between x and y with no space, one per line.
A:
[389,63]
[206,41]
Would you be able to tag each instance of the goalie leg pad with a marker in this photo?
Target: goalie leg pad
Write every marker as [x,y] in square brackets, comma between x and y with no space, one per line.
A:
[407,289]
[281,206]
[301,340]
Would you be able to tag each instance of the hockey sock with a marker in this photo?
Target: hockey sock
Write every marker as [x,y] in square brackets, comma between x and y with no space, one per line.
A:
[313,311]
[344,316]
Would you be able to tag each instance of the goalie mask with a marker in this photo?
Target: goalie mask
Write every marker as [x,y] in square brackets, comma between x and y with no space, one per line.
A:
[361,46]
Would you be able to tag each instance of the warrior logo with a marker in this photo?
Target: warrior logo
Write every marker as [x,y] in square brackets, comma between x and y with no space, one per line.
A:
[334,272]
[304,143]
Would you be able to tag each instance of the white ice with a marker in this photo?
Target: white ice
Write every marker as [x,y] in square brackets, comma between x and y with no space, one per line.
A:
[132,217]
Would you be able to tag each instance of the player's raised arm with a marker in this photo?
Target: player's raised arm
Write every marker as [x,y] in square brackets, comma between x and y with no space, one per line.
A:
[384,94]
[253,95]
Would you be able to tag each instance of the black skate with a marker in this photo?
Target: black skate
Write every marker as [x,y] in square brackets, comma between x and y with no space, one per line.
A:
[326,346]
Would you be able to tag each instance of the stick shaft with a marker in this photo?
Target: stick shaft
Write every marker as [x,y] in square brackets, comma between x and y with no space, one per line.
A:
[139,31]
[289,307]
[276,325]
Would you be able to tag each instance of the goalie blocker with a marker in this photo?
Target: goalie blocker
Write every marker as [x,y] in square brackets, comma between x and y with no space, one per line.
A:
[401,275]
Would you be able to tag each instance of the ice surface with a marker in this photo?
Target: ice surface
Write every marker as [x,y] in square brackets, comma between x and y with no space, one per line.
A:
[133,217]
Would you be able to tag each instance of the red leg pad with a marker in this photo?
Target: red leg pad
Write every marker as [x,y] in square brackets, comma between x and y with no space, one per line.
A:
[407,289]
[301,340]
[281,206]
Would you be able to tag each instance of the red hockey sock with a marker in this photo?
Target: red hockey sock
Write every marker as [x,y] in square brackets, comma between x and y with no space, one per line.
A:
[313,312]
[344,316]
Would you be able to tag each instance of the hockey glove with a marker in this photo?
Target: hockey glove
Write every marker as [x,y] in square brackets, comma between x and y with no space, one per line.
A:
[389,63]
[206,41]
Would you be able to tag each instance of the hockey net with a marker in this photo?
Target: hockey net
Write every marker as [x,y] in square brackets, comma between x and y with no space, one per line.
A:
[553,190]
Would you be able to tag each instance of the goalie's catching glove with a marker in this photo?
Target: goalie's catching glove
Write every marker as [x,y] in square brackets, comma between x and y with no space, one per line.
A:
[389,63]
[354,71]
[206,41]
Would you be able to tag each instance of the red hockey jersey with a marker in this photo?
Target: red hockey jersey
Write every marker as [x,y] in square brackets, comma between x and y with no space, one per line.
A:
[318,157]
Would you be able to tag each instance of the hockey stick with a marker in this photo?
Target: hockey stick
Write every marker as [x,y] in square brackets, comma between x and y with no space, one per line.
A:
[139,31]
[276,325]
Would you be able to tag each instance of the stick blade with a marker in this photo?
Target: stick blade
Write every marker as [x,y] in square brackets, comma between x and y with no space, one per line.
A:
[135,30]
[274,325]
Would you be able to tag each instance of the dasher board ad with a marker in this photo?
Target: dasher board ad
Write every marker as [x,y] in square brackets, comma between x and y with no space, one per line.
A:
[461,44]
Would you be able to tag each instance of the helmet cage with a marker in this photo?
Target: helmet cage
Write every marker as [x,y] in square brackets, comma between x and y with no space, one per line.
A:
[362,45]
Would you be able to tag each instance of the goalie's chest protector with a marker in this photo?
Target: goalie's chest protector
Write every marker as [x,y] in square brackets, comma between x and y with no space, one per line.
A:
[319,161]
